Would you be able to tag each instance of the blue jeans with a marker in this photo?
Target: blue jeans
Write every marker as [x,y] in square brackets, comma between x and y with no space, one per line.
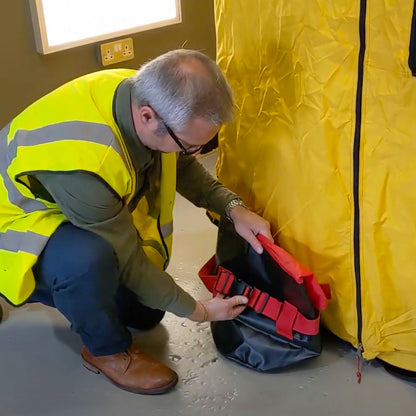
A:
[77,273]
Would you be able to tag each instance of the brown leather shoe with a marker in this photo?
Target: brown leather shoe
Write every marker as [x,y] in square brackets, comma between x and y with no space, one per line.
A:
[132,370]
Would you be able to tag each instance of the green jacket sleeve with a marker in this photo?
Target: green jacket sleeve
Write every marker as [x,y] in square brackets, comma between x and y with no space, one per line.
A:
[197,185]
[88,203]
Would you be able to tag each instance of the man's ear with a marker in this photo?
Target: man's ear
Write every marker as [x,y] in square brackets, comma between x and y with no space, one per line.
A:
[147,115]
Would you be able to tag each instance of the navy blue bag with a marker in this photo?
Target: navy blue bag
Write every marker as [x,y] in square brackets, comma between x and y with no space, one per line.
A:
[280,325]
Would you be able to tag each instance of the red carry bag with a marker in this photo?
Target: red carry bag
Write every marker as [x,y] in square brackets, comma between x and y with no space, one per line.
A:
[280,325]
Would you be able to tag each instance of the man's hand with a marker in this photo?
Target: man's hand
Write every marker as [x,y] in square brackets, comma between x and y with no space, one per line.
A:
[248,225]
[218,308]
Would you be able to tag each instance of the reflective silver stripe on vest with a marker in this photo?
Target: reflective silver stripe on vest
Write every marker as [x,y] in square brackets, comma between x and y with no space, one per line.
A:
[71,130]
[166,229]
[14,195]
[28,241]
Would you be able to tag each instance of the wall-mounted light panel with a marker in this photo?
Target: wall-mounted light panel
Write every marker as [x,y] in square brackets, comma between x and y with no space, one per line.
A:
[63,24]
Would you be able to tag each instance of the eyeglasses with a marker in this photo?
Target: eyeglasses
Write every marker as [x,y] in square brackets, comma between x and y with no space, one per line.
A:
[190,150]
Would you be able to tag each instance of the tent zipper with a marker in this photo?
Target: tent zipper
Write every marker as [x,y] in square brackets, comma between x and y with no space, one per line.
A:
[412,43]
[356,182]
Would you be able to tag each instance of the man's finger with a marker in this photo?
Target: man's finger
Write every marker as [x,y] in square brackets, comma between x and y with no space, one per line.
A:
[267,234]
[239,300]
[258,248]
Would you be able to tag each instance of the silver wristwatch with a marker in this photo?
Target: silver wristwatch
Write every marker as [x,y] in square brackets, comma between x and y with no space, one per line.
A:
[232,204]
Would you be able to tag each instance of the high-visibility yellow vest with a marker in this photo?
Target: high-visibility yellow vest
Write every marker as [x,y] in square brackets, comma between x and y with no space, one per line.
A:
[324,146]
[70,129]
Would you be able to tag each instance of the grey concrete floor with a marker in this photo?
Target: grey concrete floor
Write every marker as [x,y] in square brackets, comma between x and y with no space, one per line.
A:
[41,371]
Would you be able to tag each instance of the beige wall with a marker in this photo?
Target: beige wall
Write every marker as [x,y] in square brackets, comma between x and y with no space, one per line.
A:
[26,75]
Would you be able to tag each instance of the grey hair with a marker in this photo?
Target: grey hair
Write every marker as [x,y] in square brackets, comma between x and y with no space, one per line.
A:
[178,92]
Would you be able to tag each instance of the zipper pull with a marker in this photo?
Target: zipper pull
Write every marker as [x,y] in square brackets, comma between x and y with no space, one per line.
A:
[359,361]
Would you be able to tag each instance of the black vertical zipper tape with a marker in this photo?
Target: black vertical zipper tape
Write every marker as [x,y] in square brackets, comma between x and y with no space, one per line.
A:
[412,44]
[165,247]
[356,166]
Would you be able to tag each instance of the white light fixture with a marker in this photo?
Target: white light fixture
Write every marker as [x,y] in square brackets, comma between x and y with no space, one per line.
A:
[63,24]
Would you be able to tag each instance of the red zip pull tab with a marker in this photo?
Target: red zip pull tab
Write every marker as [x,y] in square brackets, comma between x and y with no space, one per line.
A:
[359,361]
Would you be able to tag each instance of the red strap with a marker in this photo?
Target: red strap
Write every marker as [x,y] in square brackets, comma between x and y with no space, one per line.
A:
[254,296]
[287,320]
[224,281]
[286,316]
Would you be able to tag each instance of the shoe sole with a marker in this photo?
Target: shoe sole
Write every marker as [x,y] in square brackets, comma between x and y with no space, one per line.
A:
[155,391]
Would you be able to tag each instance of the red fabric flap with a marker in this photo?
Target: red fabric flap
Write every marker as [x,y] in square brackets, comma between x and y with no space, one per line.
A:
[208,274]
[298,272]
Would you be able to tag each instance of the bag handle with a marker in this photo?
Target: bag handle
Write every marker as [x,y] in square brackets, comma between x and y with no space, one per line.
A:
[286,316]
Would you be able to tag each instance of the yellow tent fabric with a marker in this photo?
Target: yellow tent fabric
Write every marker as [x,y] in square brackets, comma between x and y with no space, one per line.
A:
[324,147]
